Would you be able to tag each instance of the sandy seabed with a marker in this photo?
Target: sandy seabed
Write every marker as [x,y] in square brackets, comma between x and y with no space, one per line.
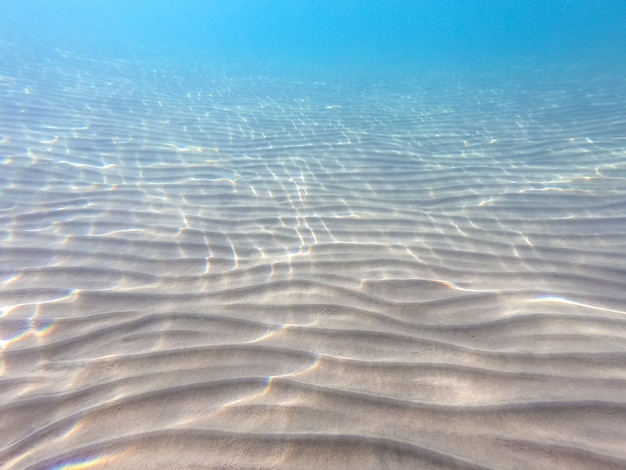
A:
[199,270]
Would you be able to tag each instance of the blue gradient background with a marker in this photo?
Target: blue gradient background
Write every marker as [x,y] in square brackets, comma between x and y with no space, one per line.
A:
[335,33]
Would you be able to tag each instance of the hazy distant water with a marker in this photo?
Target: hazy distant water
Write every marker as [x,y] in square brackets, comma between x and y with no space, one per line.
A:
[368,34]
[346,234]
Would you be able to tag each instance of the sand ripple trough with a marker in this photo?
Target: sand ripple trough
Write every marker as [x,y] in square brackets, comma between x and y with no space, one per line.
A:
[199,269]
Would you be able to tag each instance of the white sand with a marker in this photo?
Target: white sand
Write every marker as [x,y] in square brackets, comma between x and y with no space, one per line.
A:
[230,273]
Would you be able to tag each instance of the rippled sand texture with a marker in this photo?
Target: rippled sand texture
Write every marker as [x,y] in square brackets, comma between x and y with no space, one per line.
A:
[202,271]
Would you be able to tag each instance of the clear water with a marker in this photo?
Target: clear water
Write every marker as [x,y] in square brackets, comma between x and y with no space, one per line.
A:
[370,34]
[271,234]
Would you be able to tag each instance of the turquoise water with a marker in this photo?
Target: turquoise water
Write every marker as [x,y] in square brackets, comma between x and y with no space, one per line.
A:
[398,34]
[349,234]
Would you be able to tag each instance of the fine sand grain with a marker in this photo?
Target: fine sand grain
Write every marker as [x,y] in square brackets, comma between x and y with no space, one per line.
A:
[203,270]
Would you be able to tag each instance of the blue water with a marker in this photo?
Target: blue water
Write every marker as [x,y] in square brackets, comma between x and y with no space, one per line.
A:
[335,33]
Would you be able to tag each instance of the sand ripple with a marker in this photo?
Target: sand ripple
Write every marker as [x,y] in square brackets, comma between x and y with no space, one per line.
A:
[205,270]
